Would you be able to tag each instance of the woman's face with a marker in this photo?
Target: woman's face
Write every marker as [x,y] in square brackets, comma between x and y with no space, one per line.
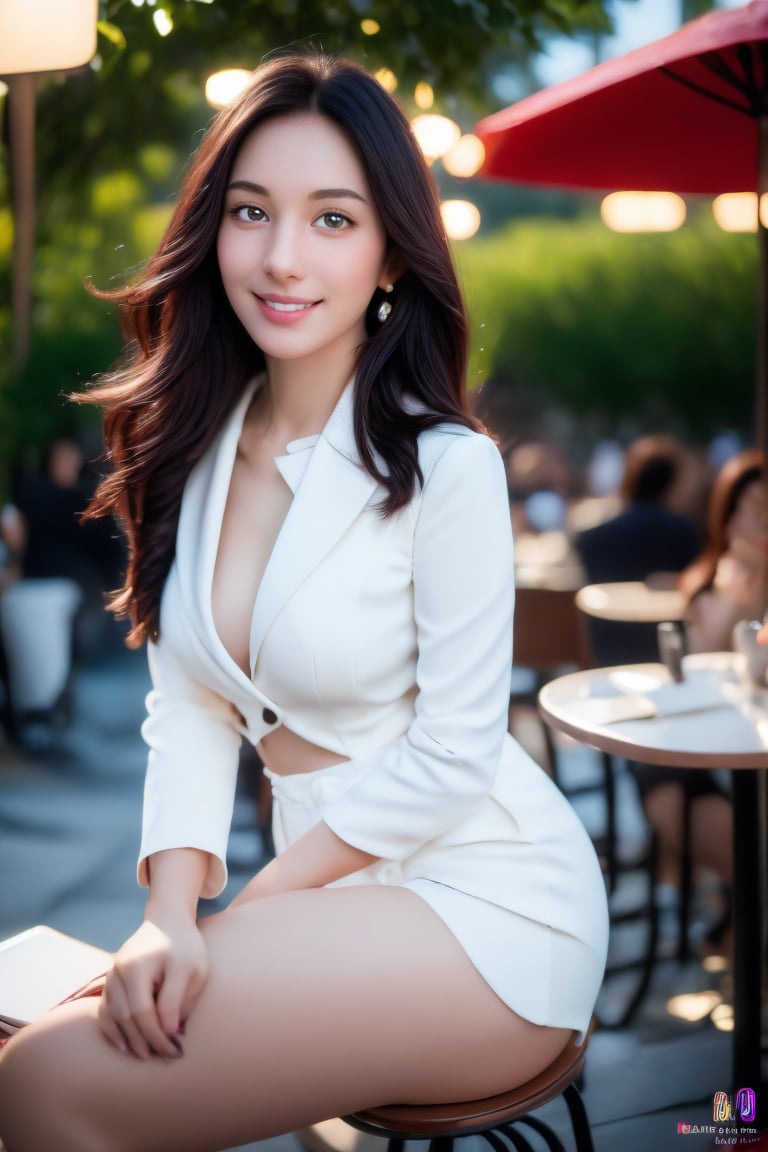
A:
[301,247]
[749,522]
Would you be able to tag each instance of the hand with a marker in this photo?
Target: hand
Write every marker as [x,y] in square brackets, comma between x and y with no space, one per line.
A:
[157,976]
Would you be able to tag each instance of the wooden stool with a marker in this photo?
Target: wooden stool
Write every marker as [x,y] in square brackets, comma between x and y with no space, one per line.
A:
[494,1118]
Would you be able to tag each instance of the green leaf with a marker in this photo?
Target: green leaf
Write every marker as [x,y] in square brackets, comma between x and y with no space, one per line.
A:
[112,33]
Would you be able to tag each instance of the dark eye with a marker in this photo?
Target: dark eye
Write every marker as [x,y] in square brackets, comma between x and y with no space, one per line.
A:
[335,221]
[249,213]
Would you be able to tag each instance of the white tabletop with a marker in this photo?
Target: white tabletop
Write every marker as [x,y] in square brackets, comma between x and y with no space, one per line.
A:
[631,601]
[712,720]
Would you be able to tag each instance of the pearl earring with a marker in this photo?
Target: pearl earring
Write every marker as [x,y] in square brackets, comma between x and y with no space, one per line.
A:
[385,307]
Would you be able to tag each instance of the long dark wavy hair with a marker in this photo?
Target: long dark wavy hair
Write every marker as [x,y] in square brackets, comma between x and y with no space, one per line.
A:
[736,475]
[187,357]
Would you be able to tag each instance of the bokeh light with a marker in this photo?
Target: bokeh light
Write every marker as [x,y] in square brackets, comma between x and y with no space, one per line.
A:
[643,211]
[162,21]
[423,95]
[737,211]
[693,1006]
[221,88]
[436,135]
[461,219]
[387,79]
[370,27]
[466,157]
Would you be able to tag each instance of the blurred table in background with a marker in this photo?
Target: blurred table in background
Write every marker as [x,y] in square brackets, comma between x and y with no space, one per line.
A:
[631,601]
[546,560]
[714,719]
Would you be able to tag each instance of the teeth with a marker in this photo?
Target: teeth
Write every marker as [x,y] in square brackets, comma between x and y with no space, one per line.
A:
[278,307]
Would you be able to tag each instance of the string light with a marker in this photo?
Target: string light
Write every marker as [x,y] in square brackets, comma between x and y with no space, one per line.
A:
[643,211]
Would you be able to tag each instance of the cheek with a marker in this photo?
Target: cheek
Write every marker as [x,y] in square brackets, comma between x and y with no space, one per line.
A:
[365,270]
[230,256]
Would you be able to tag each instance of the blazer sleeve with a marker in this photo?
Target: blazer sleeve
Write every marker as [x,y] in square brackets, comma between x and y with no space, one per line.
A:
[189,792]
[463,589]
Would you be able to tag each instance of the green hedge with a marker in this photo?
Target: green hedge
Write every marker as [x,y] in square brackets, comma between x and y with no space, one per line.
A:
[565,314]
[659,327]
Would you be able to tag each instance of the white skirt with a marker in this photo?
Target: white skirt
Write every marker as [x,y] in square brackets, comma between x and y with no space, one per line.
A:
[546,975]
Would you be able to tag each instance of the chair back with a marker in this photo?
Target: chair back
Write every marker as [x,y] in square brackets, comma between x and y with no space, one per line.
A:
[549,632]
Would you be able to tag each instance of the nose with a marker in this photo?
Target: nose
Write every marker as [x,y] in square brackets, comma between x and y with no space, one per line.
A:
[284,257]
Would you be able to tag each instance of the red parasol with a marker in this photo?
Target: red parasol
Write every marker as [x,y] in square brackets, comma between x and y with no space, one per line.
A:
[688,113]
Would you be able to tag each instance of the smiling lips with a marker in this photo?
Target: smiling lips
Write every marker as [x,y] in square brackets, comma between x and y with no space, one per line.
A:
[284,310]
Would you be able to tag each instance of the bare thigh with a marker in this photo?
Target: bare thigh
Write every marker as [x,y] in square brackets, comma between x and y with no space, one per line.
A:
[319,1003]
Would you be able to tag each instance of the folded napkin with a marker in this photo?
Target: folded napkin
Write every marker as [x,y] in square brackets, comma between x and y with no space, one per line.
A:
[639,696]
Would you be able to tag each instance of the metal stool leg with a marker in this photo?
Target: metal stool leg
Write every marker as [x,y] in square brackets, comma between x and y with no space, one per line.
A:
[581,1129]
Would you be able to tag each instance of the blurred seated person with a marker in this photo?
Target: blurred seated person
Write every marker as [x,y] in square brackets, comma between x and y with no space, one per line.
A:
[728,581]
[51,540]
[653,533]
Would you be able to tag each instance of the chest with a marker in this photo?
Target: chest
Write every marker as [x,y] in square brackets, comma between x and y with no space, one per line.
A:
[347,633]
[256,506]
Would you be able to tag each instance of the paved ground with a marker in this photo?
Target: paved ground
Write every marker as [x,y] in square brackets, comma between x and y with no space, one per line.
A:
[69,824]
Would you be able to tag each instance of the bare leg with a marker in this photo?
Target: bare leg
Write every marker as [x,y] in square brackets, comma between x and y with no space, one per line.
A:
[319,1003]
[711,827]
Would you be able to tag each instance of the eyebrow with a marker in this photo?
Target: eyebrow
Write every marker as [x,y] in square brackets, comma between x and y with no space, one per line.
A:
[320,194]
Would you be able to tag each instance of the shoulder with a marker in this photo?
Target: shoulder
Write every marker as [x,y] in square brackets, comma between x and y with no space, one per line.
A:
[454,447]
[464,480]
[589,537]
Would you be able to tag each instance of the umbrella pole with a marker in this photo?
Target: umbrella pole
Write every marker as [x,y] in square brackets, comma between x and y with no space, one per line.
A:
[761,377]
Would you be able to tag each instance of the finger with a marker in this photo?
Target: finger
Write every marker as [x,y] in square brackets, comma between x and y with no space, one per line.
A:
[171,996]
[133,1008]
[110,1028]
[147,1021]
[115,1020]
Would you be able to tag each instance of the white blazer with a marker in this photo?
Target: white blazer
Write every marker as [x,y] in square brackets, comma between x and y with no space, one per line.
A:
[386,640]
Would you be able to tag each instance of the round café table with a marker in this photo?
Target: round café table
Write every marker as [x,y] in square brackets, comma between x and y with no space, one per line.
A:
[714,719]
[631,602]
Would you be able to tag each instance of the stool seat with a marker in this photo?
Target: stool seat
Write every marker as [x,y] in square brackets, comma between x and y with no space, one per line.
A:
[442,1122]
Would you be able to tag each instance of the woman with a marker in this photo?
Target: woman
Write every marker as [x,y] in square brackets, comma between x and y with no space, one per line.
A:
[728,582]
[336,587]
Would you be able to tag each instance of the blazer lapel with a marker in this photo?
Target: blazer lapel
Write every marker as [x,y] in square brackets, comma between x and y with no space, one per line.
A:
[332,493]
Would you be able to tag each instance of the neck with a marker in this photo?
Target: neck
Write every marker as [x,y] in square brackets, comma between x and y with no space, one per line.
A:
[299,397]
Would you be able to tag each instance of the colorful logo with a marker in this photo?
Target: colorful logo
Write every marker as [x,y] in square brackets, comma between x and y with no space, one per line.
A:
[742,1107]
[683,1129]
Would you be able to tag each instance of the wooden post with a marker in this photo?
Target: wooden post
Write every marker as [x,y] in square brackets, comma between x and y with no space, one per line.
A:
[21,131]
